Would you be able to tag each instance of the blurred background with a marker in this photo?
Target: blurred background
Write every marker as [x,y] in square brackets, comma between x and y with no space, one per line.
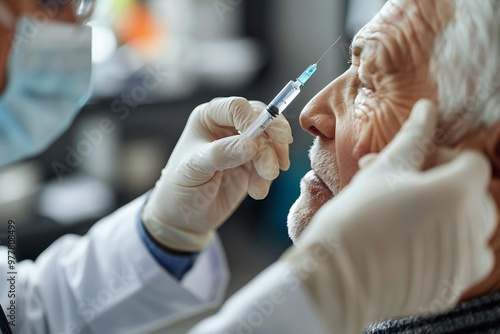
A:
[154,62]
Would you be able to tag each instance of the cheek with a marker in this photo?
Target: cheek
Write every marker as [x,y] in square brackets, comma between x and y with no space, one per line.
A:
[345,143]
[378,120]
[380,115]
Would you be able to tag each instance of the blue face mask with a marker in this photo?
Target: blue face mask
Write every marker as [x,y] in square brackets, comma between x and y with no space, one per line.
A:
[49,76]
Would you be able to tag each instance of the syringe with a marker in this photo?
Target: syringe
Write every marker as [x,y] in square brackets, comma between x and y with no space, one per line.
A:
[282,100]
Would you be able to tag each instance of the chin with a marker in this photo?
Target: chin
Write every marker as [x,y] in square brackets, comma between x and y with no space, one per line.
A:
[298,219]
[317,187]
[302,212]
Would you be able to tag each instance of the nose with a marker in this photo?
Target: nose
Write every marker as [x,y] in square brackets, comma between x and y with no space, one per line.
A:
[318,117]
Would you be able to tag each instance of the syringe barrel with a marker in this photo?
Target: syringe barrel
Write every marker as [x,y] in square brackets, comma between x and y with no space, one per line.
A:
[285,97]
[259,125]
[276,107]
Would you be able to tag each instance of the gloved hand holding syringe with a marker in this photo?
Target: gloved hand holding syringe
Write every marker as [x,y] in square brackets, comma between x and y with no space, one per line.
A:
[212,168]
[282,100]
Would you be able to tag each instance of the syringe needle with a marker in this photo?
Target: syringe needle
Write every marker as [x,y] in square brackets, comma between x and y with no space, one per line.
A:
[282,100]
[324,54]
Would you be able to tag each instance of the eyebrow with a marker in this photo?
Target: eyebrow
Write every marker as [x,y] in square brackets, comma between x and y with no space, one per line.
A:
[356,47]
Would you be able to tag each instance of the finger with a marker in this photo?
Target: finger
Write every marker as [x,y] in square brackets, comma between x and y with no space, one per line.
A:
[216,156]
[258,187]
[482,222]
[489,221]
[266,161]
[476,251]
[414,143]
[462,180]
[473,258]
[482,225]
[441,156]
[282,152]
[280,132]
[231,152]
[229,112]
[484,264]
[367,160]
[469,173]
[279,129]
[237,112]
[258,106]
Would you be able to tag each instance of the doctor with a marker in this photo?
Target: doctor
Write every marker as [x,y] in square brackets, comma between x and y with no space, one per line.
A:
[37,45]
[157,260]
[114,279]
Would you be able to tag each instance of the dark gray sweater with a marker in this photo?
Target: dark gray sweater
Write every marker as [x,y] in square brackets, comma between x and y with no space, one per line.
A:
[481,315]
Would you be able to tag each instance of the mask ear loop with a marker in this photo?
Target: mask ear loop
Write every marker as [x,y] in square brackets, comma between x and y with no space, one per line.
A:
[6,16]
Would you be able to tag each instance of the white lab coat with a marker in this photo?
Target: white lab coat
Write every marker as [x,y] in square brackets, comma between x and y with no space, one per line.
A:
[108,282]
[274,302]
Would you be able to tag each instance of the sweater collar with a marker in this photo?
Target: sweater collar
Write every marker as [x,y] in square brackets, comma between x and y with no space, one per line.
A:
[480,315]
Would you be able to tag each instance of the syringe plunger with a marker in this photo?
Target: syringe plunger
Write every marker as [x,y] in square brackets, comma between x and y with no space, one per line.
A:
[273,109]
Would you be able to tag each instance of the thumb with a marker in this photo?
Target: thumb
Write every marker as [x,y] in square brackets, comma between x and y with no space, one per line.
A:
[416,133]
[367,160]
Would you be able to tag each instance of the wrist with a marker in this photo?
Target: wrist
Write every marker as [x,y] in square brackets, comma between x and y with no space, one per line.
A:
[172,238]
[164,248]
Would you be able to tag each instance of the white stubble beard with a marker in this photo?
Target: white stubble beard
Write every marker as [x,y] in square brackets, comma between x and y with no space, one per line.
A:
[305,207]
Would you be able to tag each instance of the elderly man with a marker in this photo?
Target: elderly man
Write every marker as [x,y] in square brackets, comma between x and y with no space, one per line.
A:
[445,51]
[407,234]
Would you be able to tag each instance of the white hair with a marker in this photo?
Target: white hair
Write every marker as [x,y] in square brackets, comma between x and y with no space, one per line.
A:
[466,66]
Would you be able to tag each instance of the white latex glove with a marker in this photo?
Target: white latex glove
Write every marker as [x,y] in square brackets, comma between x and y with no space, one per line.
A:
[398,240]
[211,170]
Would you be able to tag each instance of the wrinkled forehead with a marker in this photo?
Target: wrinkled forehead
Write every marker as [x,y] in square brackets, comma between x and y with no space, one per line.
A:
[390,12]
[402,24]
[368,38]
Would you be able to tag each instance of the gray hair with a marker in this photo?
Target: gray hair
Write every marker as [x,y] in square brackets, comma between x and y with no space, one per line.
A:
[466,66]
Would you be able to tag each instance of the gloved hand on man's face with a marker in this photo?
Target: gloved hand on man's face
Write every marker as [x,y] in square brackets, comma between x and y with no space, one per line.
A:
[410,50]
[398,236]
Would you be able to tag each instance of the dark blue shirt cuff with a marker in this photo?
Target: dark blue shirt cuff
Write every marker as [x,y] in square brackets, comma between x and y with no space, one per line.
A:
[176,265]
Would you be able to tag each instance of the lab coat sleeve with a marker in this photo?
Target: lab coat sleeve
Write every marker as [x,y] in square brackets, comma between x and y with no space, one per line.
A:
[176,265]
[108,282]
[274,302]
